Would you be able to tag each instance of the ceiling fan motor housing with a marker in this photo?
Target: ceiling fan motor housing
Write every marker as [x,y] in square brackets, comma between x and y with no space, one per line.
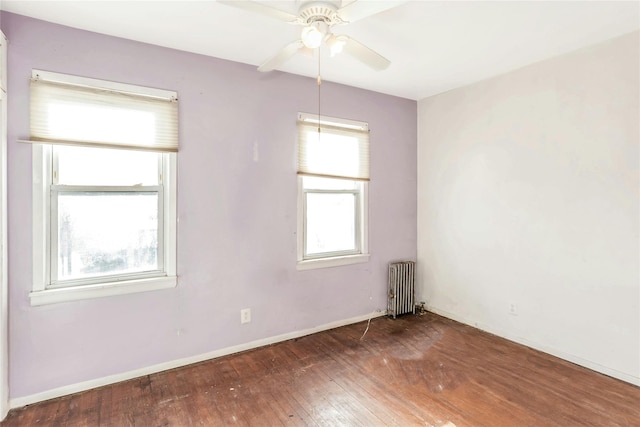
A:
[313,12]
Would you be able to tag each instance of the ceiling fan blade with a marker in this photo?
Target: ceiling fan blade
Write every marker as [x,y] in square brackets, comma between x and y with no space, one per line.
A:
[281,57]
[363,54]
[360,9]
[254,6]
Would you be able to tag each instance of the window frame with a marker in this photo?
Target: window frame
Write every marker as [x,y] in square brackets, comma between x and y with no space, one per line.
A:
[55,280]
[45,290]
[361,215]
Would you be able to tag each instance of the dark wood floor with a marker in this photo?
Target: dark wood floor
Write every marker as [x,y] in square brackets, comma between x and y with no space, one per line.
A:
[412,371]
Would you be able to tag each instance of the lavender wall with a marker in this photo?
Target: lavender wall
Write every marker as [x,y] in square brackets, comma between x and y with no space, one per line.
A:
[237,216]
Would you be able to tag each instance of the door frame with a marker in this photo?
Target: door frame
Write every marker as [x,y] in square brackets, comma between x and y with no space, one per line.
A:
[4,307]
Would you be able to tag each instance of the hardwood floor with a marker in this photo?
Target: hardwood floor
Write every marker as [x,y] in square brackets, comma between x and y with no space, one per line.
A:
[412,371]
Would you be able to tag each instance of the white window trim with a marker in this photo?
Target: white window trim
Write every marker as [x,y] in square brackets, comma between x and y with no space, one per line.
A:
[40,295]
[338,260]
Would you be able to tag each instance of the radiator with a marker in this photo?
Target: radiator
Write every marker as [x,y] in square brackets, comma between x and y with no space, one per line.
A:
[401,288]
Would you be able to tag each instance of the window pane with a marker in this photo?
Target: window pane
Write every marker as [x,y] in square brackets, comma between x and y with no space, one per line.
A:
[106,233]
[330,226]
[101,166]
[315,183]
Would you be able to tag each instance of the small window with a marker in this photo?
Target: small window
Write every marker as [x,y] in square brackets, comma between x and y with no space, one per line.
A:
[104,199]
[333,169]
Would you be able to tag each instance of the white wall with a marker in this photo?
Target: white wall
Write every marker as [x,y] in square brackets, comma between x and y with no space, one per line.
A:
[528,194]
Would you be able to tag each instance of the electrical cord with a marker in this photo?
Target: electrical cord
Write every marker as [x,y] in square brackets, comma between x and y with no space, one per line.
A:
[369,323]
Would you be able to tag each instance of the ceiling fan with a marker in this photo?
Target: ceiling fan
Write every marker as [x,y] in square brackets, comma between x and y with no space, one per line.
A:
[317,19]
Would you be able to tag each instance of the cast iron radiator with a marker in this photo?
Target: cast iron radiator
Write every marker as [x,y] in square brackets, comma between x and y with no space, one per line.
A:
[401,288]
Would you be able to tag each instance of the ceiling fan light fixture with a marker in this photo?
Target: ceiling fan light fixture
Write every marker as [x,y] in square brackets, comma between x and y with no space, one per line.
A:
[336,44]
[312,35]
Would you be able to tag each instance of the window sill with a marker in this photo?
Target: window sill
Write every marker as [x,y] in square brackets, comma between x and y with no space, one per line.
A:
[310,264]
[75,293]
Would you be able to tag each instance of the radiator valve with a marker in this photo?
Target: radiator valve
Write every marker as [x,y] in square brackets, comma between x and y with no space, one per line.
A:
[421,309]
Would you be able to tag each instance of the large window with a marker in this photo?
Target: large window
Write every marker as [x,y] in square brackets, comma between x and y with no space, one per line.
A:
[333,175]
[104,195]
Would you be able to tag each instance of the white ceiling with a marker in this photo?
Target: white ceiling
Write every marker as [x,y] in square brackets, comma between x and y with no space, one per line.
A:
[434,46]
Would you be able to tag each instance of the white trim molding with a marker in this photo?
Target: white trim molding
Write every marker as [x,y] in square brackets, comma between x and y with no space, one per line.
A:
[111,379]
[4,305]
[75,293]
[537,346]
[310,264]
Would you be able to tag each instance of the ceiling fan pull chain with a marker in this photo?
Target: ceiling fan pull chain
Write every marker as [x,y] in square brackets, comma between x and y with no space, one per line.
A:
[319,83]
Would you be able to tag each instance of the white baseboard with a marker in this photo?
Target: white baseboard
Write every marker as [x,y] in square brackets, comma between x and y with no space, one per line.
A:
[111,379]
[543,348]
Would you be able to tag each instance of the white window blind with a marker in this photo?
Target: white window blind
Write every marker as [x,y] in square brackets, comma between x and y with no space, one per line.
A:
[87,112]
[339,150]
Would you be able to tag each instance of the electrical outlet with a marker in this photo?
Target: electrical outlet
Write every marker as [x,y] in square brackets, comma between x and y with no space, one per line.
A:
[245,315]
[513,309]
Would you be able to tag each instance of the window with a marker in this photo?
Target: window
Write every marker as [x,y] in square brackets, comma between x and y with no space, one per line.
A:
[333,175]
[104,196]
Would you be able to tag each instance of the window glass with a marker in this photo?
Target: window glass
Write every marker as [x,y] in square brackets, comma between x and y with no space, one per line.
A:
[106,233]
[100,166]
[330,222]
